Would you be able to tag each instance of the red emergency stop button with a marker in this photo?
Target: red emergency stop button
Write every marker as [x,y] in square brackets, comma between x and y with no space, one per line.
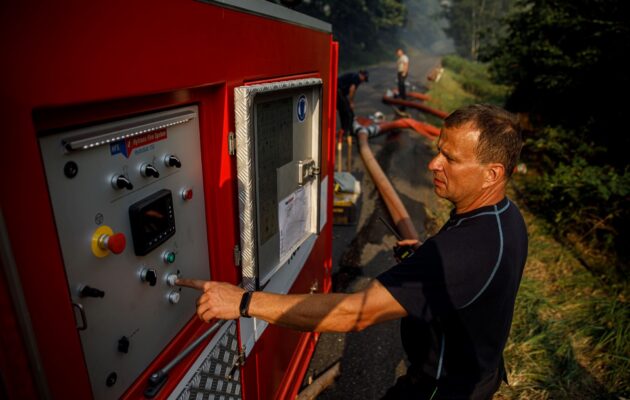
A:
[104,241]
[115,243]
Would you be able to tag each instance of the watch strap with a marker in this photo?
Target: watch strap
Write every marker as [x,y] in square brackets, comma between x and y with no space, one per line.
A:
[244,307]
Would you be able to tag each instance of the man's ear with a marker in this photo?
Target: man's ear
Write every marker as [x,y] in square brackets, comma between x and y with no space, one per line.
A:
[494,173]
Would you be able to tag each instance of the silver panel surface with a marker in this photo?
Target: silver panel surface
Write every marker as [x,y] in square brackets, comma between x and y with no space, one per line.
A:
[263,162]
[87,201]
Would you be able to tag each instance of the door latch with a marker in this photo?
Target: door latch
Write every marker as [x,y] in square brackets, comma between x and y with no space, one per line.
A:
[307,170]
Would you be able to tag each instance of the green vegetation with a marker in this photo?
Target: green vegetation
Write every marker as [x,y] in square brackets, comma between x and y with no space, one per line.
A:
[463,83]
[369,31]
[474,78]
[366,29]
[587,202]
[565,63]
[570,336]
[474,24]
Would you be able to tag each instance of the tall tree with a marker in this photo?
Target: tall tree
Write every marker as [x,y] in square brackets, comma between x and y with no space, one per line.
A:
[364,28]
[474,22]
[567,61]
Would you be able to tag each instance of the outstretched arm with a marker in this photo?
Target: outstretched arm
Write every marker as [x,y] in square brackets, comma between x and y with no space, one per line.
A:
[336,312]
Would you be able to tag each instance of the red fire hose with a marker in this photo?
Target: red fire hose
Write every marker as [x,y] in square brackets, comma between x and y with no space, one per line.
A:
[427,130]
[422,128]
[415,95]
[394,205]
[415,104]
[419,96]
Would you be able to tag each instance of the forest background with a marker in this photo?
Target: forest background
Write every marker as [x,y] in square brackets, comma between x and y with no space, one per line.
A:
[561,66]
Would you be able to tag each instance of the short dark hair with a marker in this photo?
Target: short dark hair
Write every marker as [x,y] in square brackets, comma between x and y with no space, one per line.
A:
[500,139]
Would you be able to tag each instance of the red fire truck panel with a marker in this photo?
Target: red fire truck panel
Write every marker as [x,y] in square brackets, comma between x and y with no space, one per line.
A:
[148,140]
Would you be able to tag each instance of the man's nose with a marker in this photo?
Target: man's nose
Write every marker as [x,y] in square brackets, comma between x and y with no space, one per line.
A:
[435,164]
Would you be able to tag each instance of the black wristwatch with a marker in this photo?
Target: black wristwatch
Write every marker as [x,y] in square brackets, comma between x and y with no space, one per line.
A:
[244,307]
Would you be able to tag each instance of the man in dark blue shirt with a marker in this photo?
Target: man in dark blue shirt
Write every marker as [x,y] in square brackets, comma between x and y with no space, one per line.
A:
[347,85]
[458,290]
[455,294]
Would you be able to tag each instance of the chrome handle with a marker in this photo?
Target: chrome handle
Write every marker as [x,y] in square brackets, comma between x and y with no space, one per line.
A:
[83,319]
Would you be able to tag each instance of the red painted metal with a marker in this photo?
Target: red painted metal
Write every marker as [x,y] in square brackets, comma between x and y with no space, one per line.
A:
[293,378]
[14,366]
[77,63]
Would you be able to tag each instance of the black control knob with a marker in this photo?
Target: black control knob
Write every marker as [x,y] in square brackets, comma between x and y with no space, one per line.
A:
[121,182]
[149,275]
[148,170]
[87,291]
[172,161]
[123,344]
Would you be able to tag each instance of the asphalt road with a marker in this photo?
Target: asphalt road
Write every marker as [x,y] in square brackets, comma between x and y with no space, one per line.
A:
[371,360]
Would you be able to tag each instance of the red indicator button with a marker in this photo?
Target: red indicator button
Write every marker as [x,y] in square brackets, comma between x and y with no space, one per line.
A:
[187,194]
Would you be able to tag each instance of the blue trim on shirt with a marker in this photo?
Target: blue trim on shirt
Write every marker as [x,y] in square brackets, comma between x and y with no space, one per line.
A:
[496,266]
[439,368]
[495,212]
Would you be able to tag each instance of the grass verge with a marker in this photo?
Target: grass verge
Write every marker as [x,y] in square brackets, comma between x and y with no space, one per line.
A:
[463,83]
[570,336]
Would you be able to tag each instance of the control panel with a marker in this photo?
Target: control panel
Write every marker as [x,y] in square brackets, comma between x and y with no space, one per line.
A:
[129,210]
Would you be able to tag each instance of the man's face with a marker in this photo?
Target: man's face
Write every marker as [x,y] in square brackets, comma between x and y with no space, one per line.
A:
[399,53]
[457,174]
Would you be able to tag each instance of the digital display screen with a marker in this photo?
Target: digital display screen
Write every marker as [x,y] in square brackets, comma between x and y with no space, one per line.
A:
[155,219]
[152,221]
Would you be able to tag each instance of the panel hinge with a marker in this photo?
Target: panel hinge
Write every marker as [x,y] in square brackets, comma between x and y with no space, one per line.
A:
[237,255]
[231,143]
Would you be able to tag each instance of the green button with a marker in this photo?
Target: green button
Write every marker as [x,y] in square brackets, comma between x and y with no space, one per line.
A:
[169,257]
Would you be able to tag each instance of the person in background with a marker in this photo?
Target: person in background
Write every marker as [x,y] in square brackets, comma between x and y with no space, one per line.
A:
[347,85]
[455,294]
[402,69]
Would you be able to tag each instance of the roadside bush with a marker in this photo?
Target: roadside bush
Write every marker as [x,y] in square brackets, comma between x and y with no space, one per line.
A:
[466,67]
[585,201]
[475,79]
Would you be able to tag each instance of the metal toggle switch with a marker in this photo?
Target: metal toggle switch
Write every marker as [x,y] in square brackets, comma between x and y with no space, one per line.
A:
[148,170]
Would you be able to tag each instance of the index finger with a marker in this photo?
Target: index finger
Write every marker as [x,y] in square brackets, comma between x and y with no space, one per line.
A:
[191,283]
